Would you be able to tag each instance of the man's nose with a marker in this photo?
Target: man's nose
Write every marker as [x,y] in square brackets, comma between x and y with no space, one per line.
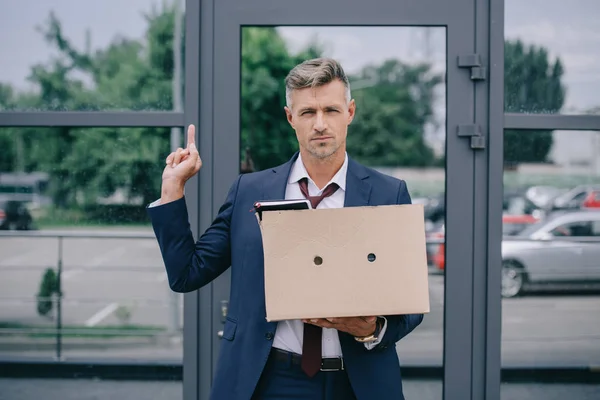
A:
[320,124]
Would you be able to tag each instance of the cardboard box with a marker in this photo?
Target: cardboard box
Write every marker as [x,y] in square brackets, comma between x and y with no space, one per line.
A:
[354,261]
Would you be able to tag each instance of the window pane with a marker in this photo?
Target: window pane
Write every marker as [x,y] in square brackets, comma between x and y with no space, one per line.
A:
[552,63]
[85,56]
[551,268]
[399,128]
[91,186]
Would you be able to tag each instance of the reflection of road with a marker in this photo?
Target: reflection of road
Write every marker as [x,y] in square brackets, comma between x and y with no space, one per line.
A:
[101,277]
[543,330]
[102,274]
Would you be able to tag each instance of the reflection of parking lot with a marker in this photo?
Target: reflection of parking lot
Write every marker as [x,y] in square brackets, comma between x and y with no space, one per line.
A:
[551,238]
[101,278]
[104,275]
[549,329]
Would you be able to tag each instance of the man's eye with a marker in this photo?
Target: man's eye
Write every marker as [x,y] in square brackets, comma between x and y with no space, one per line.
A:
[307,112]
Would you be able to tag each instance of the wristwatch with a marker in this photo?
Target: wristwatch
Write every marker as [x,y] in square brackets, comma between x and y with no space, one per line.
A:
[375,335]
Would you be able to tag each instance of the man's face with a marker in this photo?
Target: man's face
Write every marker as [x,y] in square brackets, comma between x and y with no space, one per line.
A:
[320,117]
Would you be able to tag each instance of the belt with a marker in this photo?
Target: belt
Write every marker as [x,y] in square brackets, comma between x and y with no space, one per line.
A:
[327,364]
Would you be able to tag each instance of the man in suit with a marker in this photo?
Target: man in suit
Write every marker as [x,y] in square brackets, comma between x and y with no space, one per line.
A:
[332,358]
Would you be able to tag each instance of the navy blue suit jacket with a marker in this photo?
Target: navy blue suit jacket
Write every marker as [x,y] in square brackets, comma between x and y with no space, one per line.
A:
[234,240]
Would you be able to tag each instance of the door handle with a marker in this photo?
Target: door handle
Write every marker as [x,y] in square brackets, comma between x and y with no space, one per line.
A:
[224,309]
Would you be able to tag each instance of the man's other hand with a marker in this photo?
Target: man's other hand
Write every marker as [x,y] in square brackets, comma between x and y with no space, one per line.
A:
[181,165]
[355,326]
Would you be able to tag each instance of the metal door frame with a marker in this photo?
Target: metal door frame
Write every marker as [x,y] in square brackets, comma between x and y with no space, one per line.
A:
[472,294]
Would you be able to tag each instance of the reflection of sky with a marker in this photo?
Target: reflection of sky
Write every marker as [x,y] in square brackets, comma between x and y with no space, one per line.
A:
[411,45]
[18,22]
[569,29]
[356,46]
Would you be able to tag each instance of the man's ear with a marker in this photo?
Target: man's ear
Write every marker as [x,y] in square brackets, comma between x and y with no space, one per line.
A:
[351,111]
[289,115]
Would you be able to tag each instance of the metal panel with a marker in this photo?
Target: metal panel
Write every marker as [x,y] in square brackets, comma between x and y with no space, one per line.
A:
[349,12]
[480,229]
[493,301]
[551,121]
[459,214]
[226,133]
[207,330]
[195,370]
[96,118]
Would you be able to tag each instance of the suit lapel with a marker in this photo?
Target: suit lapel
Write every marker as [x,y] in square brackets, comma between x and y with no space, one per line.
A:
[274,187]
[358,188]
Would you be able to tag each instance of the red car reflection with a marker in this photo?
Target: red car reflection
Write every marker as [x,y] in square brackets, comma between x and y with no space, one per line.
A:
[592,200]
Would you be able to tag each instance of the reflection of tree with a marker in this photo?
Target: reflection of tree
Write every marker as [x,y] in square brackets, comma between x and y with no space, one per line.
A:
[128,74]
[532,85]
[392,110]
[265,63]
[391,115]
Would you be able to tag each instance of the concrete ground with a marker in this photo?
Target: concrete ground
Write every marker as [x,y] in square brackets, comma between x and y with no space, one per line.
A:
[35,389]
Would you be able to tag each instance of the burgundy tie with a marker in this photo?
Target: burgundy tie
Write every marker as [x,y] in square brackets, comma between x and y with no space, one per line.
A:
[311,344]
[315,200]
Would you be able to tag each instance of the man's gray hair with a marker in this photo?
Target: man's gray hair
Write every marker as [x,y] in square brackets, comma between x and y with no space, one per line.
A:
[314,73]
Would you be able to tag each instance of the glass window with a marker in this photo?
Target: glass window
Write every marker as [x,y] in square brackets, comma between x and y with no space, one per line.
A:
[87,56]
[399,128]
[551,60]
[551,270]
[84,217]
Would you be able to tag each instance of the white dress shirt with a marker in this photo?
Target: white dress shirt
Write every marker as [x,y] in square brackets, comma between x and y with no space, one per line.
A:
[289,333]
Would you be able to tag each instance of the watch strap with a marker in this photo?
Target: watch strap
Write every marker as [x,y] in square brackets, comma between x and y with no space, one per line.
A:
[375,335]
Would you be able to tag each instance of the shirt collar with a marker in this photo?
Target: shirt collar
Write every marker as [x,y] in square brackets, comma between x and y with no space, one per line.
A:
[299,171]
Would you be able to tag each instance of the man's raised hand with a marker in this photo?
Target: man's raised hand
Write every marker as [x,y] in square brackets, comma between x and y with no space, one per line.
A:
[182,164]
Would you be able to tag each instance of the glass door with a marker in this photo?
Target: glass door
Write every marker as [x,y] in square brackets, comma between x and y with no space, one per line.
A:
[413,73]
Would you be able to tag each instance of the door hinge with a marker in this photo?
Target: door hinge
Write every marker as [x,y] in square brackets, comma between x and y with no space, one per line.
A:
[474,132]
[473,61]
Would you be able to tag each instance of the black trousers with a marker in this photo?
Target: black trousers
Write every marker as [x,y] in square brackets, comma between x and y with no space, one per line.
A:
[283,379]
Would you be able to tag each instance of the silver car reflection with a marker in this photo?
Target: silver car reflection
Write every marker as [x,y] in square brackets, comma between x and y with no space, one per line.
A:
[563,248]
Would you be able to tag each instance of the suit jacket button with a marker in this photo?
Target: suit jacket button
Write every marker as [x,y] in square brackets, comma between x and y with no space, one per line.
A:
[269,335]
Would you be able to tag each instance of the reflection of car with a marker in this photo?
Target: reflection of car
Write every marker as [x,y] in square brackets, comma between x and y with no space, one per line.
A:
[517,203]
[514,203]
[435,209]
[592,200]
[564,248]
[573,198]
[14,215]
[541,196]
[514,224]
[436,251]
